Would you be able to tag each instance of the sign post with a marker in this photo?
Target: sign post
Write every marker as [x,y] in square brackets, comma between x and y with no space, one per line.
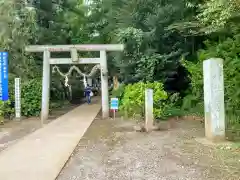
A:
[114,106]
[17,99]
[4,76]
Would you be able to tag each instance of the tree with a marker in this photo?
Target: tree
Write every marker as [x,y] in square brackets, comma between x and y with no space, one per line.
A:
[18,28]
[216,15]
[152,51]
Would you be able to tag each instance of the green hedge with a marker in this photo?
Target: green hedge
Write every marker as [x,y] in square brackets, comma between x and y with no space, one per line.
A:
[134,97]
[31,97]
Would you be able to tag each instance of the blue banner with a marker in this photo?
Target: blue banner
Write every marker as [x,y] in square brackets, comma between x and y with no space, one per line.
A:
[3,76]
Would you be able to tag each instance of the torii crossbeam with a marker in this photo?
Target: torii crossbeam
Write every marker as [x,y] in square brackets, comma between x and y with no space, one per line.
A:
[47,61]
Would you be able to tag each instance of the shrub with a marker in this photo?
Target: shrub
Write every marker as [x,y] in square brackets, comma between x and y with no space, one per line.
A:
[172,106]
[31,97]
[57,90]
[228,50]
[6,109]
[31,93]
[193,101]
[134,96]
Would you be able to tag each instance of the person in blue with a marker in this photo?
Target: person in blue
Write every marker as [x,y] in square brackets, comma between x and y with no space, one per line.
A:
[88,93]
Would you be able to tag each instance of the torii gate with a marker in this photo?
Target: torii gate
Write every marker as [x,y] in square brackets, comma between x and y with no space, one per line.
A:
[47,61]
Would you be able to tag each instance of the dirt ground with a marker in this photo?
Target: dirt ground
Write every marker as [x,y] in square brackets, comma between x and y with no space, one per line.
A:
[113,150]
[12,131]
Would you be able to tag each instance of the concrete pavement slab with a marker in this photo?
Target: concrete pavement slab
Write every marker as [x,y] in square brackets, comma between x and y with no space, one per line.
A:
[42,154]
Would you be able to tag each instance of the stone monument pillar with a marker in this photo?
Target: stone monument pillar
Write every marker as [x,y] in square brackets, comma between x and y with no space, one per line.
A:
[214,99]
[149,110]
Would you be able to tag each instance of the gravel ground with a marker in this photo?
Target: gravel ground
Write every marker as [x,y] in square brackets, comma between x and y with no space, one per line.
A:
[112,150]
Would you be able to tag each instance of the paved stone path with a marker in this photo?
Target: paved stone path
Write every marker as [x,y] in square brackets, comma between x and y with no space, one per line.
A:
[42,154]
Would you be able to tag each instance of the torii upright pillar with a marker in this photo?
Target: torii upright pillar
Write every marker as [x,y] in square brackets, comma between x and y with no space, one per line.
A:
[104,84]
[47,61]
[45,86]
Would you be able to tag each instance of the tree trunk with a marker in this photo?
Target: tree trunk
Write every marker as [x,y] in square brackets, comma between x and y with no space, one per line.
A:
[115,83]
